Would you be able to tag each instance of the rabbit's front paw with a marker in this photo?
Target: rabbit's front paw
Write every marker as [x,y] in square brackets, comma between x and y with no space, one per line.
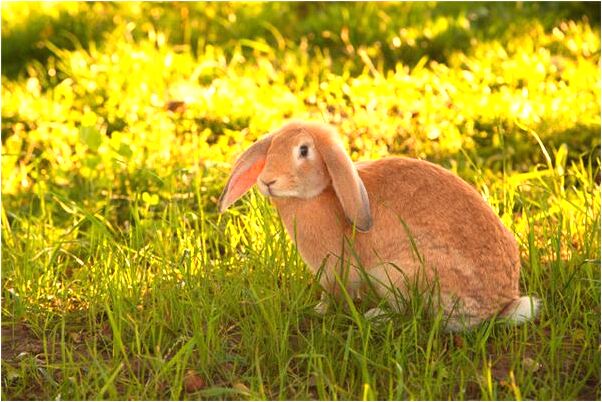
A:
[321,308]
[375,314]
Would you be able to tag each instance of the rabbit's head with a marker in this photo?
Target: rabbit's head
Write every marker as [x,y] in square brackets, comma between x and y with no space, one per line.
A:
[300,160]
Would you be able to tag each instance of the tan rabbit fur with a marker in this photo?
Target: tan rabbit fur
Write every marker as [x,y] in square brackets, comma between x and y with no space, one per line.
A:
[391,221]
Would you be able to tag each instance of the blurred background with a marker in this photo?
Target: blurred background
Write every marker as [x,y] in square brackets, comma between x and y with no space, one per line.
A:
[105,104]
[168,85]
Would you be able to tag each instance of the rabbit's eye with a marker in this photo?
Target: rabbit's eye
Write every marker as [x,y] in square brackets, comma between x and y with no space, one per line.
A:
[303,151]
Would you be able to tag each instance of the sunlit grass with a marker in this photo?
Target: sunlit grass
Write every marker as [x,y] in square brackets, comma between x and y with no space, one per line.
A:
[119,277]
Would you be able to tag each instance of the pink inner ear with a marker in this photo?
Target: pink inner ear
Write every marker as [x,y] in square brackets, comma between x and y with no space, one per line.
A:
[244,181]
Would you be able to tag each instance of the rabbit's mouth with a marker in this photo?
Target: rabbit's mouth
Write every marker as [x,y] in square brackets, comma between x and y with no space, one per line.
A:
[275,193]
[270,191]
[265,190]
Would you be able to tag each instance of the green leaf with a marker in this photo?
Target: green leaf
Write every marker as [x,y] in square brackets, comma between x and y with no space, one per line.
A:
[92,161]
[90,136]
[125,150]
[561,158]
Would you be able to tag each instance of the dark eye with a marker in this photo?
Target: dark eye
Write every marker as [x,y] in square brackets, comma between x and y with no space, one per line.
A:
[303,150]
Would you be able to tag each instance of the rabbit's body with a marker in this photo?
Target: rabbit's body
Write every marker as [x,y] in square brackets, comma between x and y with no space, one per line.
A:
[392,222]
[450,234]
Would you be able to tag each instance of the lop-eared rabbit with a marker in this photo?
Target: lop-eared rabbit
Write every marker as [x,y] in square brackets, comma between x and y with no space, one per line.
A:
[391,222]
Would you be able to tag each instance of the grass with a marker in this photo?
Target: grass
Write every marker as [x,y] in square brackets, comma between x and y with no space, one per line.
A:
[121,281]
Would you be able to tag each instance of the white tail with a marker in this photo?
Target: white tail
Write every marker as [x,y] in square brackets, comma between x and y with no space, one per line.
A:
[521,310]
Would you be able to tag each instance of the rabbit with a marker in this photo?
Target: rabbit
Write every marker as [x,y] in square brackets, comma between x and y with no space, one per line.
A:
[390,222]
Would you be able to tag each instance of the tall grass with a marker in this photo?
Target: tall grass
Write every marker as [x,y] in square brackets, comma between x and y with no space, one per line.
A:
[230,298]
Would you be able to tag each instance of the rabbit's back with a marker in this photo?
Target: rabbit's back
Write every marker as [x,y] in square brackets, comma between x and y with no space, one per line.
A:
[421,208]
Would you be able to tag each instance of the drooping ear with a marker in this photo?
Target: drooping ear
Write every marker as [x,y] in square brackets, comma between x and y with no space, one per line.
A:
[245,172]
[346,181]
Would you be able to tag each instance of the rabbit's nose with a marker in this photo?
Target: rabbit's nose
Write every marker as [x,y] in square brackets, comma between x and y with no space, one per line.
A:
[268,183]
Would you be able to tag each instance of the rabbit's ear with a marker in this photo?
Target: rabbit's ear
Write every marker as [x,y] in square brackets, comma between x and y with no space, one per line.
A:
[245,172]
[346,182]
